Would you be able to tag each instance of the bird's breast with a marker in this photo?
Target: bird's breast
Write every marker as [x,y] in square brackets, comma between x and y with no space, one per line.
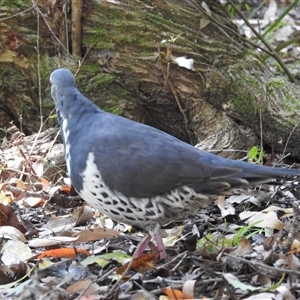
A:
[139,212]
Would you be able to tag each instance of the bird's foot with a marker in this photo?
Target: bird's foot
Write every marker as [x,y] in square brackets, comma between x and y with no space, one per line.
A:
[145,242]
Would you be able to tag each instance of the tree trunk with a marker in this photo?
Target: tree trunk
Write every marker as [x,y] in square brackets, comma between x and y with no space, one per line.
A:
[76,27]
[128,70]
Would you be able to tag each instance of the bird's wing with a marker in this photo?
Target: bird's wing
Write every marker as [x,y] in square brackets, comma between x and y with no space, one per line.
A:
[140,161]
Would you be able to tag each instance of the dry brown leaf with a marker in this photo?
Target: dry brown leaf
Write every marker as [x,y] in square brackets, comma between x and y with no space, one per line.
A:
[66,188]
[81,285]
[285,293]
[10,232]
[243,247]
[95,234]
[83,214]
[8,218]
[174,294]
[33,201]
[51,241]
[263,220]
[59,224]
[142,263]
[45,184]
[12,273]
[20,184]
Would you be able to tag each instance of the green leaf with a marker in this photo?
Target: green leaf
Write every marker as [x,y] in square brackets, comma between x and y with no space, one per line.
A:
[255,155]
[245,229]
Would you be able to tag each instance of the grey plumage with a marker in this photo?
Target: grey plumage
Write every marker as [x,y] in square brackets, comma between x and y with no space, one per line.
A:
[138,174]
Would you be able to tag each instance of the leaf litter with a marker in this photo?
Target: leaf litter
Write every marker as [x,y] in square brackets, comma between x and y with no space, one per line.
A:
[53,245]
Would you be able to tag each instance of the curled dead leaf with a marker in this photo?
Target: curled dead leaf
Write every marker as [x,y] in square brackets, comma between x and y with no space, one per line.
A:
[142,263]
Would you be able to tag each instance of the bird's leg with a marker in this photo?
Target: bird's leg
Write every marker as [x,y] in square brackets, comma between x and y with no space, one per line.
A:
[154,232]
[159,242]
[142,245]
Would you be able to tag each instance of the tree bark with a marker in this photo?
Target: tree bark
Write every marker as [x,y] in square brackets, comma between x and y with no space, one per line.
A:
[76,27]
[128,70]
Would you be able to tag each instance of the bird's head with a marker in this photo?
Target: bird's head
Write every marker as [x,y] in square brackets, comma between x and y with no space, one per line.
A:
[61,81]
[62,78]
[68,100]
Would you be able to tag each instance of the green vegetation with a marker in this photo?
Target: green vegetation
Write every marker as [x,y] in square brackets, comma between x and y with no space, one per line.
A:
[116,110]
[125,27]
[241,6]
[247,231]
[255,155]
[98,81]
[16,3]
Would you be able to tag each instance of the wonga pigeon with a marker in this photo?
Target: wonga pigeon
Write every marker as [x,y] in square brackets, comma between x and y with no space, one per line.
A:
[137,174]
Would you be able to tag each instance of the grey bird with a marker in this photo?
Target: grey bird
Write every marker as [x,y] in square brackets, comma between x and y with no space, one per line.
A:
[139,175]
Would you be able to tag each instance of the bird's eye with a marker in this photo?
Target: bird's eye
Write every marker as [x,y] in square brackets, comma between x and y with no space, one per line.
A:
[49,82]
